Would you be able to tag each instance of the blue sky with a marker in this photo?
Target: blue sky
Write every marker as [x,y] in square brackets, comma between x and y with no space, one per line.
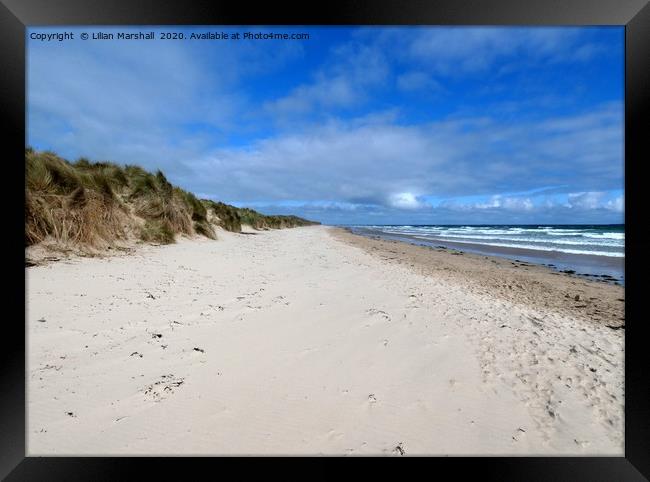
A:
[412,125]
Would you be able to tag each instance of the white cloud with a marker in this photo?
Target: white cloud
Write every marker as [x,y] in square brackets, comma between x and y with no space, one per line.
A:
[518,204]
[595,200]
[617,204]
[405,200]
[496,201]
[585,200]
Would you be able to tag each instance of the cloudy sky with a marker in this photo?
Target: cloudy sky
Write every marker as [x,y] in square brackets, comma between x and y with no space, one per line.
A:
[415,125]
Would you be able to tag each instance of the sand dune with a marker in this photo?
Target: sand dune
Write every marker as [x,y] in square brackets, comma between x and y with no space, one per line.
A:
[299,342]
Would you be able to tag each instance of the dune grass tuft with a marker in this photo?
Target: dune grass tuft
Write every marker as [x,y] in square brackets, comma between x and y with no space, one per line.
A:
[226,216]
[67,204]
[204,228]
[157,231]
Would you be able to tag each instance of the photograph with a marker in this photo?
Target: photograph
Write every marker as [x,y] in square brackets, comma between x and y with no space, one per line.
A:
[325,240]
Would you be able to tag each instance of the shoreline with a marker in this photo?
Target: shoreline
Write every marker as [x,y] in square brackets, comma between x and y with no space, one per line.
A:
[515,281]
[313,341]
[607,269]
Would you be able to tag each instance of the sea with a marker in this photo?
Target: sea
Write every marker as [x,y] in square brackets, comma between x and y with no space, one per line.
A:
[596,250]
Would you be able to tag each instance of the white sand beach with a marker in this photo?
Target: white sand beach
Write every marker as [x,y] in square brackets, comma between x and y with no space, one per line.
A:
[298,342]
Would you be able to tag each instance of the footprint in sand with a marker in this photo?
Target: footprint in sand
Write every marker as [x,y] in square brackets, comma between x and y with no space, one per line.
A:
[519,433]
[281,300]
[581,443]
[399,449]
[162,388]
[378,315]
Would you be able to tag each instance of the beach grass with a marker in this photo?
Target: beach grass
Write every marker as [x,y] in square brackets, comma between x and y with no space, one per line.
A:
[94,204]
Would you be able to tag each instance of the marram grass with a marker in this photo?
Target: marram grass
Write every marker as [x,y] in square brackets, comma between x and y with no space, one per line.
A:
[94,204]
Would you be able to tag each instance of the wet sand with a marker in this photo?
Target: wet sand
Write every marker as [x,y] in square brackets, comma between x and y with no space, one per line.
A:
[608,269]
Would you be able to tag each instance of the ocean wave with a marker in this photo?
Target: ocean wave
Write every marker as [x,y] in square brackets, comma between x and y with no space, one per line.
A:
[583,242]
[606,235]
[553,235]
[613,254]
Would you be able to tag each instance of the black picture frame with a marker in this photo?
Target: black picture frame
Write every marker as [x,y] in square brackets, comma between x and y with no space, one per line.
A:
[16,15]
